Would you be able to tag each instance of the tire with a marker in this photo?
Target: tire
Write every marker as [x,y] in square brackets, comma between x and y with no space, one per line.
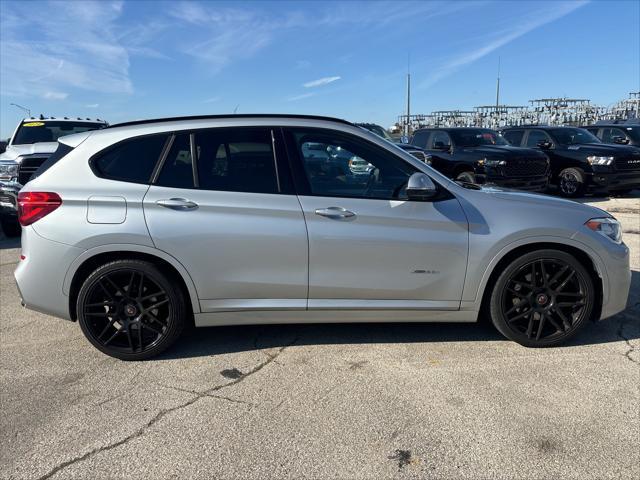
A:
[529,315]
[131,310]
[10,226]
[571,182]
[467,177]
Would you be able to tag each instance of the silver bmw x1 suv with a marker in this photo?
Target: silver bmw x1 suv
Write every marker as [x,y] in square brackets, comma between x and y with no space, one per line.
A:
[140,229]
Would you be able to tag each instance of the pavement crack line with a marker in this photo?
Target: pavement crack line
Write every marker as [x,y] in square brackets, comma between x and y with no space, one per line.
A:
[164,412]
[627,340]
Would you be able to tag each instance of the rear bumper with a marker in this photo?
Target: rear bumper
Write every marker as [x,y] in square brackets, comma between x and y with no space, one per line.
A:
[620,180]
[40,275]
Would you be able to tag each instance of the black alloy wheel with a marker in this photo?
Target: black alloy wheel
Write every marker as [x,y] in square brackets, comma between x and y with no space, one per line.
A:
[542,298]
[571,182]
[128,309]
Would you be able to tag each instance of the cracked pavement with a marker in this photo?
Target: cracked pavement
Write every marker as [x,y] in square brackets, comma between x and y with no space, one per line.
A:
[323,401]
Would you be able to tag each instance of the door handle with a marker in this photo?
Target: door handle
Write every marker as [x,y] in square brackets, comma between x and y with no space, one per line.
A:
[335,212]
[177,204]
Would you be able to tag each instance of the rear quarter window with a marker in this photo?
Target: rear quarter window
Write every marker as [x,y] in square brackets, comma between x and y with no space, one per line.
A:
[132,160]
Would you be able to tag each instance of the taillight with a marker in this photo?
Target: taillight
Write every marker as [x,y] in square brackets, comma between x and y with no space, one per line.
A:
[32,206]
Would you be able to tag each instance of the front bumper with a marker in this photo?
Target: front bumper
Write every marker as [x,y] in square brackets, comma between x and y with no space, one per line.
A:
[618,180]
[9,198]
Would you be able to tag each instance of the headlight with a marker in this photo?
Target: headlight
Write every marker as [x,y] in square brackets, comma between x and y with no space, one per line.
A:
[10,170]
[491,163]
[609,227]
[594,160]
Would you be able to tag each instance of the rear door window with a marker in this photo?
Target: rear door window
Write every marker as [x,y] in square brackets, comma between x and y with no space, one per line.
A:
[132,160]
[439,140]
[236,160]
[420,138]
[535,137]
[177,170]
[514,137]
[609,134]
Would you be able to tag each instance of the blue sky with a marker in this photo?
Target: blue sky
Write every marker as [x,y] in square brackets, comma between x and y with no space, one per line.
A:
[123,60]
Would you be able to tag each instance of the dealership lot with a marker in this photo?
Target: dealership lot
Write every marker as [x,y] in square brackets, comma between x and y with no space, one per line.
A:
[323,401]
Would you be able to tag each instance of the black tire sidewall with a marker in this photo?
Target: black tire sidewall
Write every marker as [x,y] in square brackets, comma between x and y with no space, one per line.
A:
[174,293]
[581,181]
[497,316]
[467,177]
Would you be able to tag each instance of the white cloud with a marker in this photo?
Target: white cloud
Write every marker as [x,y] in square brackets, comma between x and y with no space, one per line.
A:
[534,20]
[55,95]
[295,98]
[92,105]
[75,46]
[212,100]
[321,81]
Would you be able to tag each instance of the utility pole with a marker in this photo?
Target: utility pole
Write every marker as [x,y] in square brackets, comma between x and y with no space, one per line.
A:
[22,108]
[498,88]
[407,124]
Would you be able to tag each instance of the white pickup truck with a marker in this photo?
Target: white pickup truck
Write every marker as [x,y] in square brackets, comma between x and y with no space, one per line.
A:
[34,140]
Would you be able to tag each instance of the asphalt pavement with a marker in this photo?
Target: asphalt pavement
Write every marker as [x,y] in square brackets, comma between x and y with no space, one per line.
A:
[323,401]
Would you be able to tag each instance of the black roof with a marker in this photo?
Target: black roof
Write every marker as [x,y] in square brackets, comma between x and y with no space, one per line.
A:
[214,117]
[542,127]
[453,128]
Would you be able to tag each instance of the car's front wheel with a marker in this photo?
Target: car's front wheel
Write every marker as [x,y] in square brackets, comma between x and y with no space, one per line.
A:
[571,182]
[467,177]
[542,298]
[130,310]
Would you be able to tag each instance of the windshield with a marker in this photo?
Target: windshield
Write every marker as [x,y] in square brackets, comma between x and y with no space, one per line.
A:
[476,137]
[573,136]
[36,131]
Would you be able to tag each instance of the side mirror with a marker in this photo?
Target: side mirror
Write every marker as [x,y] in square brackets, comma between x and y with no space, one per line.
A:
[544,145]
[621,140]
[420,187]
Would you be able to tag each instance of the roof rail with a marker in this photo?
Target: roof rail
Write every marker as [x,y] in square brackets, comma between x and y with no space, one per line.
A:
[242,115]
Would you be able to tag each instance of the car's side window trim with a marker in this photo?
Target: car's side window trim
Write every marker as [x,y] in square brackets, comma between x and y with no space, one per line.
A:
[275,160]
[194,160]
[163,157]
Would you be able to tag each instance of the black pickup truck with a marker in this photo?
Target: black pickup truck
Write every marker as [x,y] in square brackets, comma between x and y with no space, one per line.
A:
[617,134]
[480,155]
[579,160]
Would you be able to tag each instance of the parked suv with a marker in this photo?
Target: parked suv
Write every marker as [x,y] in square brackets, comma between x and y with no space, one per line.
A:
[33,141]
[617,134]
[480,155]
[579,160]
[419,153]
[140,228]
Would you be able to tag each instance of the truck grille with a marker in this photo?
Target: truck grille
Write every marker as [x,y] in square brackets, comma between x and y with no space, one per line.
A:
[525,166]
[628,163]
[28,167]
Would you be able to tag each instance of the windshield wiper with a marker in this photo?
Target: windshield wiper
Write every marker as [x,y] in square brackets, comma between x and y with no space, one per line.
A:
[470,186]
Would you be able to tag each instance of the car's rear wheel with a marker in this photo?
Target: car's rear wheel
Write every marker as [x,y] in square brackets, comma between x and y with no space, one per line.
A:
[130,310]
[542,298]
[571,182]
[467,177]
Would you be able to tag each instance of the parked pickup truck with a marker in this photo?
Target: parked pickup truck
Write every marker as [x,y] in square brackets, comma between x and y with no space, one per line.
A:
[580,161]
[617,133]
[482,156]
[33,141]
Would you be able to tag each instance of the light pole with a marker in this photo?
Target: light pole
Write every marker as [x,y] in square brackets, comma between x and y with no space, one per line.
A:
[22,108]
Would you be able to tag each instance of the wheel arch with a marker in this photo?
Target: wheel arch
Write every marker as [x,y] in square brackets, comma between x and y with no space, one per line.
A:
[462,167]
[91,259]
[509,254]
